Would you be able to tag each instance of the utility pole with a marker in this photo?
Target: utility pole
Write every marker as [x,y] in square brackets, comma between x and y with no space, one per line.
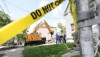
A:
[98,13]
[85,33]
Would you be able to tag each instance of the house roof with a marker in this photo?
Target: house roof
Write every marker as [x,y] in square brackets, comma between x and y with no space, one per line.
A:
[43,26]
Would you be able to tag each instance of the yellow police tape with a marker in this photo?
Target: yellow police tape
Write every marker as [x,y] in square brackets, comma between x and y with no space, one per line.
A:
[15,27]
[74,14]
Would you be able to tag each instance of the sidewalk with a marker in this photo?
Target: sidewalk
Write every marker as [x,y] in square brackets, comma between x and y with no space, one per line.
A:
[72,52]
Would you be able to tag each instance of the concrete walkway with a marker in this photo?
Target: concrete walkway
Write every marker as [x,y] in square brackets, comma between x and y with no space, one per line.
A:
[17,52]
[70,54]
[73,52]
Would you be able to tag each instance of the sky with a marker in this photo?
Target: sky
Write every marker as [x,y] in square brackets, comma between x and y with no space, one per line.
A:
[19,8]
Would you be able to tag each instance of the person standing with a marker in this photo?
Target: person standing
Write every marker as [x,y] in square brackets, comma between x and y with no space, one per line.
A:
[64,38]
[57,38]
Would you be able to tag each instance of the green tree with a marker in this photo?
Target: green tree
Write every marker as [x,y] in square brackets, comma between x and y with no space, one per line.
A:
[4,19]
[63,28]
[22,35]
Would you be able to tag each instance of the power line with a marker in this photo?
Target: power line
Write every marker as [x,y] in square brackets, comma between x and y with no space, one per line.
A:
[4,12]
[26,10]
[17,6]
[52,18]
[6,6]
[1,8]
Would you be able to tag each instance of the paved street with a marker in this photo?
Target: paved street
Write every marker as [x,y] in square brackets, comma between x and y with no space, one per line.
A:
[17,52]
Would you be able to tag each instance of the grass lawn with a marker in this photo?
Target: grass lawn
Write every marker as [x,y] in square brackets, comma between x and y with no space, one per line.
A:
[47,51]
[76,56]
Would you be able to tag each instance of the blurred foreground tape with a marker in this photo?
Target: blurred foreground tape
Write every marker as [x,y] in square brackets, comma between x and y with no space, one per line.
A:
[15,27]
